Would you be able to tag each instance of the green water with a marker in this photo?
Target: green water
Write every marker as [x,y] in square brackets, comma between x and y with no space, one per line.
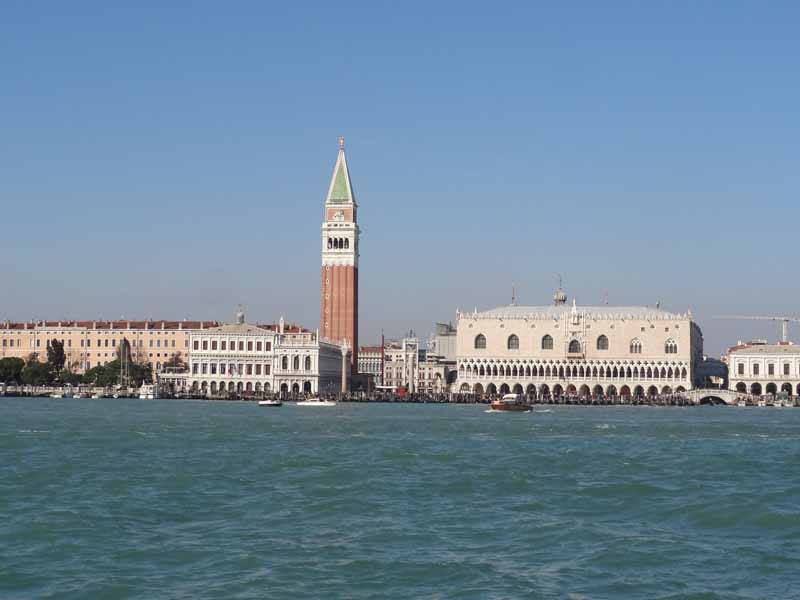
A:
[189,499]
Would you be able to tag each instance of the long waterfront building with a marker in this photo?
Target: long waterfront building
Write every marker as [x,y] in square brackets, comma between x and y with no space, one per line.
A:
[562,350]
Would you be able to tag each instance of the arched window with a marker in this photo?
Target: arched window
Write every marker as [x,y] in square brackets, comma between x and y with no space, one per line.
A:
[547,342]
[480,342]
[574,347]
[330,243]
[670,347]
[285,363]
[636,346]
[308,363]
[602,343]
[296,363]
[346,243]
[336,243]
[513,342]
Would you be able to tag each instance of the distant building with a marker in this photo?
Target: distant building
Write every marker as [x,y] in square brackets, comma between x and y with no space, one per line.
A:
[401,360]
[760,368]
[370,363]
[244,358]
[558,350]
[89,344]
[444,342]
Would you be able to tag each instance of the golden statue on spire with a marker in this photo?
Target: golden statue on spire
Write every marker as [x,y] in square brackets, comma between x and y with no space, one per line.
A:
[341,142]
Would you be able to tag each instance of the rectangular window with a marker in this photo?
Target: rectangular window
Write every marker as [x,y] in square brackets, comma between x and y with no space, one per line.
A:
[69,343]
[205,368]
[88,343]
[214,345]
[213,368]
[223,345]
[196,345]
[106,342]
[151,343]
[205,344]
[770,369]
[786,368]
[755,369]
[241,346]
[194,368]
[249,369]
[240,370]
[258,369]
[259,346]
[741,368]
[249,346]
[222,368]
[114,343]
[269,346]
[158,343]
[38,343]
[173,343]
[266,369]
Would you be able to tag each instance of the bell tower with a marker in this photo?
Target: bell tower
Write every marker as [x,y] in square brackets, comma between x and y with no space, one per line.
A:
[339,301]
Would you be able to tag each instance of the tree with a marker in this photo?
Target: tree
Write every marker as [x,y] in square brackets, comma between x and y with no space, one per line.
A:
[175,362]
[37,373]
[11,369]
[55,355]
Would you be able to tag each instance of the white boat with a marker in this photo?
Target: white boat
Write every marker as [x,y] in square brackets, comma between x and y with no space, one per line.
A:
[57,395]
[762,403]
[316,402]
[274,402]
[96,396]
[148,391]
[741,403]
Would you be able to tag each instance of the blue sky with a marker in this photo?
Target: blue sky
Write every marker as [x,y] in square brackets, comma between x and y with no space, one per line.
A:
[172,161]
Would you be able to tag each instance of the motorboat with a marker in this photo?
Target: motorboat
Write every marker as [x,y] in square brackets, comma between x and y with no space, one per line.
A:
[57,395]
[511,403]
[272,402]
[741,403]
[148,391]
[316,401]
[762,403]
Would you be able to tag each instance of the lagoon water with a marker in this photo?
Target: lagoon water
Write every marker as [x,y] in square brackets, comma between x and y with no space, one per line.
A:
[191,499]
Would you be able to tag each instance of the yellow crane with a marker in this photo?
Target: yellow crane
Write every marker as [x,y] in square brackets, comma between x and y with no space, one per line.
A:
[784,322]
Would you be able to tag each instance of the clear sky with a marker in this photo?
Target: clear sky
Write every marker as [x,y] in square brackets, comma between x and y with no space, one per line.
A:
[172,162]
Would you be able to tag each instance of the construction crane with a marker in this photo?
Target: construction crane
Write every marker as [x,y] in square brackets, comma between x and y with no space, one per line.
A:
[784,322]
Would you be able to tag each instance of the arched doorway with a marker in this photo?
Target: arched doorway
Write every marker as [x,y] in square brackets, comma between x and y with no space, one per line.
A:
[295,388]
[772,389]
[680,389]
[284,389]
[571,391]
[584,391]
[239,387]
[231,387]
[741,387]
[625,391]
[213,387]
[249,386]
[477,390]
[666,390]
[755,389]
[638,391]
[504,389]
[544,391]
[787,387]
[306,387]
[517,388]
[611,391]
[464,389]
[558,391]
[598,390]
[652,391]
[491,389]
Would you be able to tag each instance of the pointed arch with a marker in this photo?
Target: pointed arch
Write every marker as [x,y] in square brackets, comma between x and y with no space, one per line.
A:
[547,342]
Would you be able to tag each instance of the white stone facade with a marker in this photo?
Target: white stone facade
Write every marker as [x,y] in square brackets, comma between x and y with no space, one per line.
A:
[243,359]
[401,361]
[759,368]
[562,350]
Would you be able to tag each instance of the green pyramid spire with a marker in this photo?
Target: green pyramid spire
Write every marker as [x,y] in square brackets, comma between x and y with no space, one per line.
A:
[341,189]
